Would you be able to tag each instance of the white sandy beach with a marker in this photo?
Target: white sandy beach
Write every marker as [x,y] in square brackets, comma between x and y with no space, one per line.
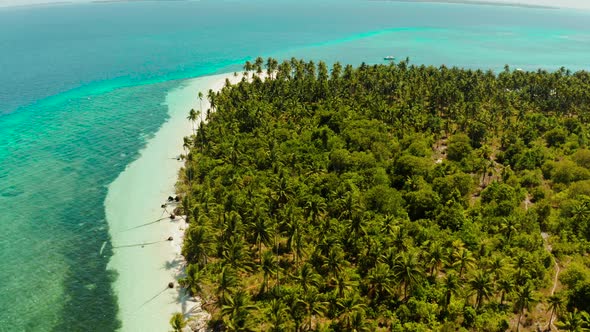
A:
[143,258]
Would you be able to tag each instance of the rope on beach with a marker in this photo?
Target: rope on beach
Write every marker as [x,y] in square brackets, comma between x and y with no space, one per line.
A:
[153,297]
[140,244]
[146,224]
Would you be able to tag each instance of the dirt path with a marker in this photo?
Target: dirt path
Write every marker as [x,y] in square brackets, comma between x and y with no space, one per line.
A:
[548,247]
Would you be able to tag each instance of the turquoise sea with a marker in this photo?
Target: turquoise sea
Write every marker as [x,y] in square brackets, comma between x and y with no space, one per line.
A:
[82,87]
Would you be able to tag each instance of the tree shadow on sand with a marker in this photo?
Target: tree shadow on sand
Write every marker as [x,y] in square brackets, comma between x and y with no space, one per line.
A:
[173,264]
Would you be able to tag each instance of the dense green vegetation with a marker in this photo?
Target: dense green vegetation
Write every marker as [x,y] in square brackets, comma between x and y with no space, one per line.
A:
[391,197]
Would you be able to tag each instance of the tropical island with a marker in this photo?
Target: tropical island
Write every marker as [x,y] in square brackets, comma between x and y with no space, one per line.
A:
[390,198]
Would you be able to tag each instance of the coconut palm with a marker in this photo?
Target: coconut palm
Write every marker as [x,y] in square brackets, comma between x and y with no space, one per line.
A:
[525,298]
[348,307]
[359,322]
[345,282]
[247,68]
[192,117]
[277,315]
[196,245]
[227,280]
[463,260]
[193,280]
[379,280]
[293,226]
[234,252]
[482,286]
[314,207]
[509,227]
[268,266]
[299,246]
[307,278]
[451,286]
[260,229]
[505,286]
[177,322]
[334,262]
[237,312]
[554,305]
[315,305]
[435,258]
[200,96]
[572,321]
[258,64]
[271,66]
[408,271]
[498,266]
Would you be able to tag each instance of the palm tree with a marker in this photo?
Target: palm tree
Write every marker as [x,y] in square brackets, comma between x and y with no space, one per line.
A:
[435,258]
[271,66]
[299,243]
[192,117]
[227,280]
[482,286]
[234,252]
[237,312]
[292,225]
[525,298]
[283,191]
[196,245]
[505,286]
[277,316]
[344,282]
[314,305]
[212,96]
[258,63]
[379,281]
[572,321]
[498,266]
[177,322]
[508,227]
[451,287]
[193,279]
[464,260]
[314,207]
[554,304]
[247,68]
[359,322]
[408,270]
[200,96]
[268,266]
[307,277]
[348,306]
[334,262]
[260,228]
[186,143]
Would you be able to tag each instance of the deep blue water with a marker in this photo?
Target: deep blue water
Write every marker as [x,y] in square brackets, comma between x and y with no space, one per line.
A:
[82,86]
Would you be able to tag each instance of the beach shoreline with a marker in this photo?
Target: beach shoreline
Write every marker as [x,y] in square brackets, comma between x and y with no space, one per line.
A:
[146,242]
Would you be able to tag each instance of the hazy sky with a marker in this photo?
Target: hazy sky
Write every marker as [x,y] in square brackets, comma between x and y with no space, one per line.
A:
[556,3]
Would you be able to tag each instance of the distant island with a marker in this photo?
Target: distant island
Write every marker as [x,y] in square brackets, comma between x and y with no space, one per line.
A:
[390,198]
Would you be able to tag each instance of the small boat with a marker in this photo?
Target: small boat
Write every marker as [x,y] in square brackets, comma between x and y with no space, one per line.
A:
[389,58]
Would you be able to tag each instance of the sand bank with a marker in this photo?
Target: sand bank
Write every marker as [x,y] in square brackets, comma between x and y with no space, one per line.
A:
[143,257]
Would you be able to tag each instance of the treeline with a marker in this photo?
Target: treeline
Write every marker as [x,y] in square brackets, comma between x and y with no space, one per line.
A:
[390,197]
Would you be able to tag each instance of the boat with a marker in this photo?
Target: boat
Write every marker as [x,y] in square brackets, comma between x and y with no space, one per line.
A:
[389,58]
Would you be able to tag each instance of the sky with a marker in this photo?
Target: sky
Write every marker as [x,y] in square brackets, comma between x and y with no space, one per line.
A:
[582,4]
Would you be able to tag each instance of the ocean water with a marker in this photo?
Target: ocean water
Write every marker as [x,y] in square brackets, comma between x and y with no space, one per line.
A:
[82,88]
